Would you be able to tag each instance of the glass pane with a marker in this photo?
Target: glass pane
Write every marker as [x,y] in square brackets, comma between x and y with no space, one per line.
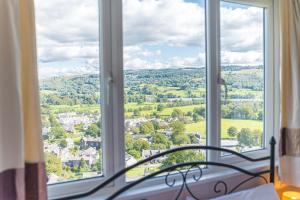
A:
[68,62]
[242,71]
[165,80]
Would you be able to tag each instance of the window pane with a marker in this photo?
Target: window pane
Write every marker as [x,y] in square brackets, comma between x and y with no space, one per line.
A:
[165,80]
[242,71]
[68,61]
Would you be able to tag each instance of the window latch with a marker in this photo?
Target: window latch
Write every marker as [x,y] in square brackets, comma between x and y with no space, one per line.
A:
[221,81]
[108,87]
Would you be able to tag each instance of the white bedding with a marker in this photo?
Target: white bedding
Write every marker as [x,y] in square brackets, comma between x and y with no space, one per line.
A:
[263,192]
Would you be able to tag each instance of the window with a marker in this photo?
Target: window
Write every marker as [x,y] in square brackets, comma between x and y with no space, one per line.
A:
[164,80]
[242,75]
[70,88]
[125,79]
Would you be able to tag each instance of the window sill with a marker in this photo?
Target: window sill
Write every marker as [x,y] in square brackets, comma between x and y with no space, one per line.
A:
[157,184]
[209,178]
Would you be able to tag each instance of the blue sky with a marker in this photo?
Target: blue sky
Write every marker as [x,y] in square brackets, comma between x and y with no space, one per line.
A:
[157,34]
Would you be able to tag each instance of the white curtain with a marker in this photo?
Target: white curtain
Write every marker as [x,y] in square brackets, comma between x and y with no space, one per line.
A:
[22,167]
[289,168]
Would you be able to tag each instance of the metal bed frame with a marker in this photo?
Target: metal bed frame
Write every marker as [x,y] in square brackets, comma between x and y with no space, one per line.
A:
[185,169]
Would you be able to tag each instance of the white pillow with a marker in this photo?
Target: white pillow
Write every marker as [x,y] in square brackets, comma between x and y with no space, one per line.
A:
[262,192]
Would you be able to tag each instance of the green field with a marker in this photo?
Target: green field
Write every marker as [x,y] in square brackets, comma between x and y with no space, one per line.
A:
[225,124]
[140,171]
[185,109]
[191,127]
[83,108]
[151,94]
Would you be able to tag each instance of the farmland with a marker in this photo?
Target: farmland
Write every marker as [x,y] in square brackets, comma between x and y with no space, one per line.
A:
[163,108]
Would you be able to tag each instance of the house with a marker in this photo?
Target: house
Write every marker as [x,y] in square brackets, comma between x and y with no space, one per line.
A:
[86,143]
[52,178]
[52,148]
[70,143]
[130,160]
[70,119]
[134,122]
[149,153]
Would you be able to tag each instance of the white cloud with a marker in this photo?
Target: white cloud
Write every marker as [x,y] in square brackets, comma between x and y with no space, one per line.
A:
[66,51]
[139,51]
[196,61]
[58,70]
[242,36]
[137,57]
[241,29]
[68,31]
[242,58]
[68,21]
[139,63]
[174,22]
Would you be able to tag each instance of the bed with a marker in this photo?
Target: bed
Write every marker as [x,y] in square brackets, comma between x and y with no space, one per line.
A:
[265,191]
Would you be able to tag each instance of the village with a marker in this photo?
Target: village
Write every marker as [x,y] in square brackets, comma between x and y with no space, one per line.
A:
[81,142]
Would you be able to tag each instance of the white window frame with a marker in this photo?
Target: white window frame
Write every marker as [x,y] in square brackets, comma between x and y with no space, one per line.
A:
[270,86]
[111,58]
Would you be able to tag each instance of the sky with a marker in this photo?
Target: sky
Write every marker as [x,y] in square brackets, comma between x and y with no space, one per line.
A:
[156,34]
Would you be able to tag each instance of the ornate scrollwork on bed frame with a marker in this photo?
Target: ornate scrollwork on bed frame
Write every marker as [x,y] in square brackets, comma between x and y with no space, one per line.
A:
[183,170]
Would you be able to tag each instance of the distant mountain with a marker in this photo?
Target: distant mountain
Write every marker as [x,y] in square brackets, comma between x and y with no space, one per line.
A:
[85,89]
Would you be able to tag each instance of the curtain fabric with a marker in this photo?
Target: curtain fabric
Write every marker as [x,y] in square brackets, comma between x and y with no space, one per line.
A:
[22,167]
[289,166]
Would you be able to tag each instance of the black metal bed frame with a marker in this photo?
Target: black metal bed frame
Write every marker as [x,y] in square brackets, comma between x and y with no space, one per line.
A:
[184,169]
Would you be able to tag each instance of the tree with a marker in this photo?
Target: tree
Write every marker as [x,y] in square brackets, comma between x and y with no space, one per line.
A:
[63,143]
[53,164]
[181,139]
[160,139]
[196,117]
[155,115]
[128,142]
[190,93]
[178,136]
[83,166]
[135,130]
[232,131]
[136,112]
[189,113]
[136,154]
[53,121]
[74,150]
[79,127]
[158,146]
[99,124]
[160,107]
[58,132]
[260,115]
[177,113]
[93,131]
[200,111]
[136,147]
[156,125]
[178,127]
[257,137]
[245,137]
[140,145]
[194,139]
[146,128]
[97,167]
[182,157]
